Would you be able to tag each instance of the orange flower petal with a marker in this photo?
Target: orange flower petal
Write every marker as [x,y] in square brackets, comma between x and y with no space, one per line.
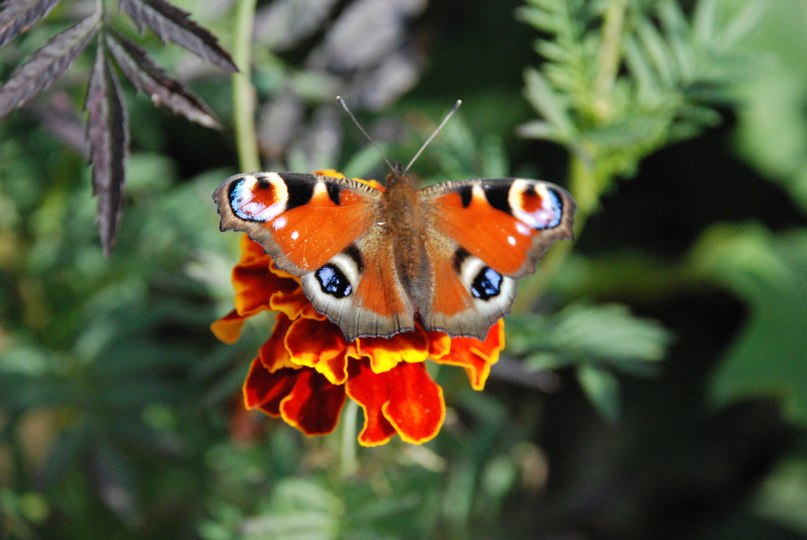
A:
[252,251]
[476,356]
[313,405]
[371,391]
[416,407]
[253,281]
[439,344]
[228,328]
[265,390]
[293,303]
[386,353]
[320,345]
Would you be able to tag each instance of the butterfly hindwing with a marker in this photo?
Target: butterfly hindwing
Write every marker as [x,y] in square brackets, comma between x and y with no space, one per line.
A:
[359,289]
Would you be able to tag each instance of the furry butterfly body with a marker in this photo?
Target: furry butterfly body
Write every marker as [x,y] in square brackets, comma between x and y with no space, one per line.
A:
[374,260]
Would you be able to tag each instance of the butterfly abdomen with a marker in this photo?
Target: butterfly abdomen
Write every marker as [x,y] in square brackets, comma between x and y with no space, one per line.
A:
[405,217]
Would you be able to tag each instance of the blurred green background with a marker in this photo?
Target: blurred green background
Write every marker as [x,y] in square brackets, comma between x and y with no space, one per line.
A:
[655,383]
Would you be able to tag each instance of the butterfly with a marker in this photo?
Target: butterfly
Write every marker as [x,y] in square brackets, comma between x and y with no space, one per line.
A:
[375,261]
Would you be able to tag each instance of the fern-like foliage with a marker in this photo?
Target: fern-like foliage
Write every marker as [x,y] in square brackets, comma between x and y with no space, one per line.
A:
[107,128]
[623,78]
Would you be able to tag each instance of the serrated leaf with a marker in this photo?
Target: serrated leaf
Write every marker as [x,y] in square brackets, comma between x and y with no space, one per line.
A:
[17,17]
[544,99]
[108,134]
[588,334]
[608,333]
[150,79]
[173,24]
[47,63]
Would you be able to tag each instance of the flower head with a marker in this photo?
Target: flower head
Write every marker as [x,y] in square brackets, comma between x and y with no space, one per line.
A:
[306,369]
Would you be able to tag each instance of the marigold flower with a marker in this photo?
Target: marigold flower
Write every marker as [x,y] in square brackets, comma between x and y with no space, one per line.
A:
[306,370]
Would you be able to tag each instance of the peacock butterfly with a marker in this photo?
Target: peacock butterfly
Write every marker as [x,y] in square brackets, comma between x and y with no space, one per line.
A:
[375,260]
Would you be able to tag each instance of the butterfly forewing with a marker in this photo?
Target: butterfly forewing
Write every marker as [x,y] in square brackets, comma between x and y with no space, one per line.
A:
[301,220]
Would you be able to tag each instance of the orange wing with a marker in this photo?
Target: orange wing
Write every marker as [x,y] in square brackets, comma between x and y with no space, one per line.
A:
[507,222]
[301,220]
[484,235]
[325,230]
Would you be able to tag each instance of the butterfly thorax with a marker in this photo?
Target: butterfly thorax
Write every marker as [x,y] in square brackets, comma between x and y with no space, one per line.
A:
[404,217]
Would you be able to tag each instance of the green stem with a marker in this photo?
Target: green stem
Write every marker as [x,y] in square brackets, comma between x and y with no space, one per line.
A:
[243,92]
[347,452]
[608,59]
[584,183]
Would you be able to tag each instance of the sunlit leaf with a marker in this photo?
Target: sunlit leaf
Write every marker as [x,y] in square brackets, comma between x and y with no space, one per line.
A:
[541,95]
[583,333]
[108,133]
[18,16]
[173,24]
[47,64]
[150,79]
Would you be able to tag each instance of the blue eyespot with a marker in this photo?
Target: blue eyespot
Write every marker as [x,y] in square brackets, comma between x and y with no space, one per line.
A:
[333,281]
[487,284]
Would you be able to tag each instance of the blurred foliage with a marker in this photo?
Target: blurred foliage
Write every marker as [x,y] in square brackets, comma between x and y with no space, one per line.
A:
[654,383]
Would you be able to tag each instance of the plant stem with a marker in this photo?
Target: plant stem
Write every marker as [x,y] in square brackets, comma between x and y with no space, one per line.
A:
[584,183]
[347,450]
[608,59]
[243,91]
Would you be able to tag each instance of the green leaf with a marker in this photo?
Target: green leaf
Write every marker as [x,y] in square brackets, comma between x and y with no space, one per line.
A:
[541,95]
[606,333]
[783,495]
[768,271]
[602,390]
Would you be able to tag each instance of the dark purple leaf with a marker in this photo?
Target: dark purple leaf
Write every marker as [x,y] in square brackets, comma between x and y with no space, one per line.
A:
[18,16]
[282,24]
[47,64]
[172,24]
[108,133]
[150,79]
[381,25]
[61,120]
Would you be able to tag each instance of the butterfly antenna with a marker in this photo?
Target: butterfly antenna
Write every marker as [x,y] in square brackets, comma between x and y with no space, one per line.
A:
[364,132]
[434,134]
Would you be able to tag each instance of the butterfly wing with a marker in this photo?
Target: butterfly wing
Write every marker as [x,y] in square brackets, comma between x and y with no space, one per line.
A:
[483,236]
[325,230]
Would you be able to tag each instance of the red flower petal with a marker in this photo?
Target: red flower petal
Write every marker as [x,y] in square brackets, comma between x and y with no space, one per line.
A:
[320,345]
[265,390]
[313,405]
[416,407]
[371,391]
[476,356]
